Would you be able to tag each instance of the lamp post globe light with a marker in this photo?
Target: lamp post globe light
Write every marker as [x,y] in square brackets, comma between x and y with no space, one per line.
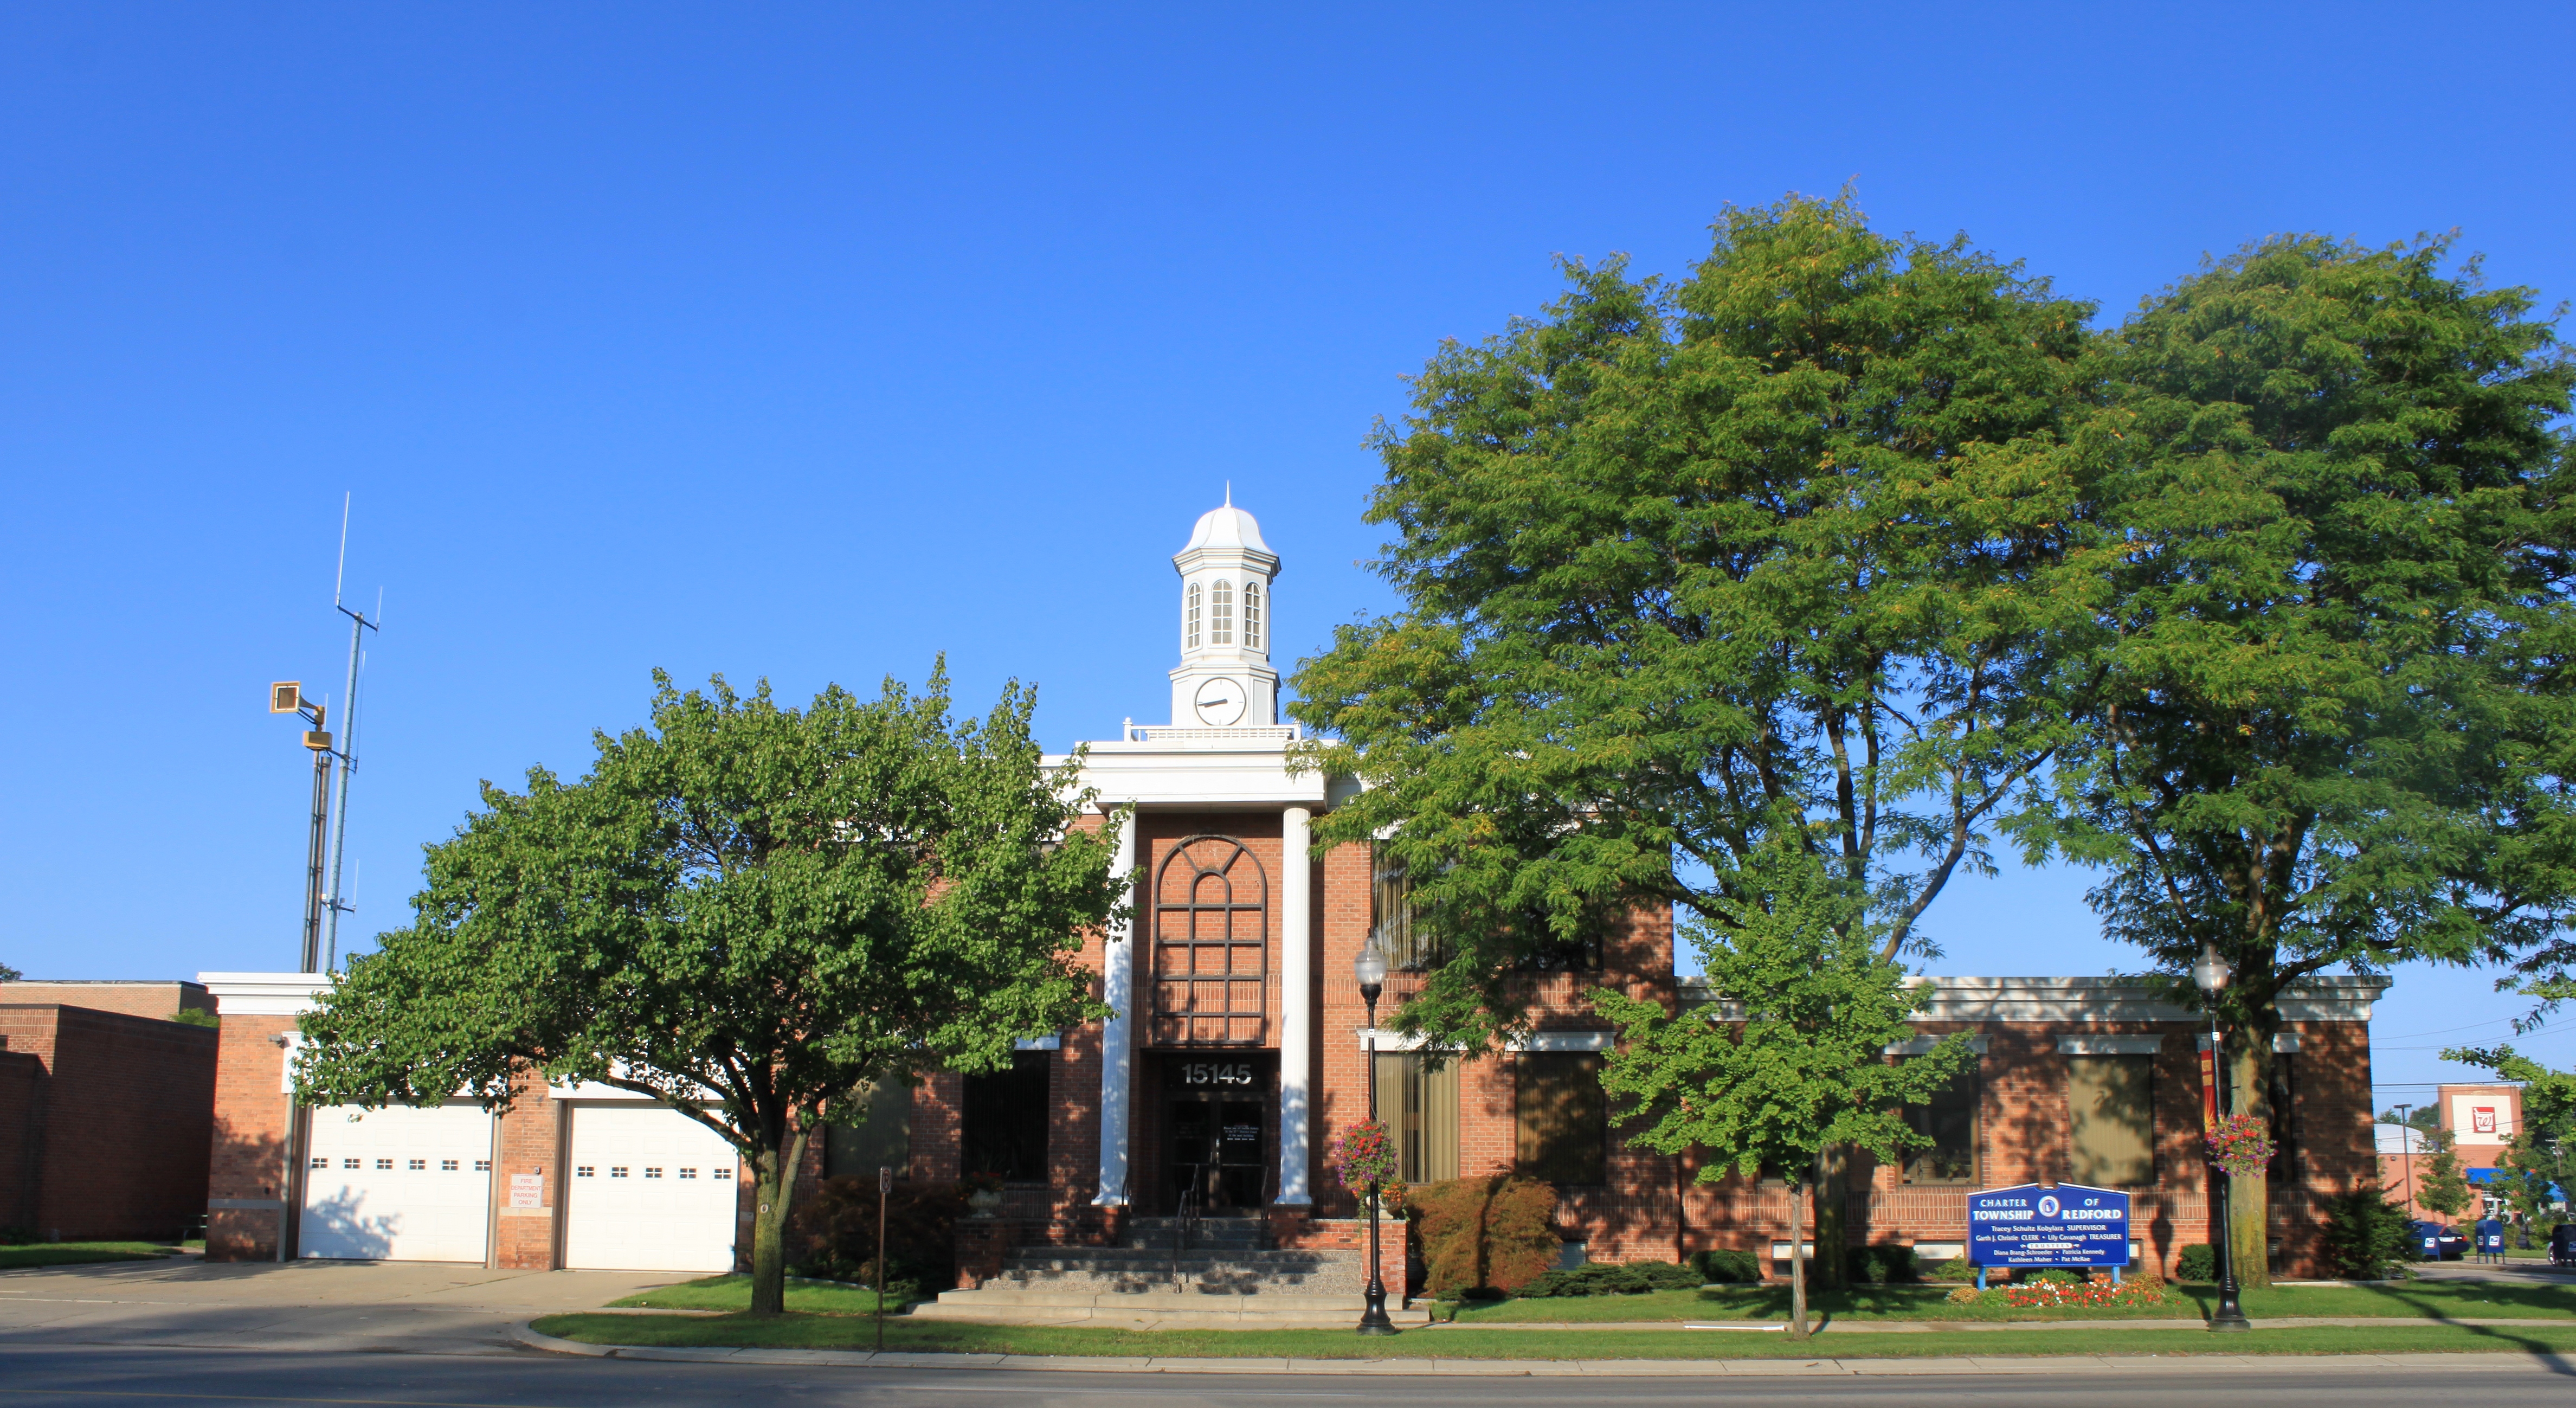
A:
[2210,975]
[1370,969]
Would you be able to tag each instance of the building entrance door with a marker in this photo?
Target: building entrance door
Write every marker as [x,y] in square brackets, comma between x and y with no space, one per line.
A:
[1216,1131]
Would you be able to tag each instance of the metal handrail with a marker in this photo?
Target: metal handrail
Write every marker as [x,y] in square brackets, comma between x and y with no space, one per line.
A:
[1187,1220]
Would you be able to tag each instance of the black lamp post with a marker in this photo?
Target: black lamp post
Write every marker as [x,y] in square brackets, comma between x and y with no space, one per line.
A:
[2211,974]
[1370,969]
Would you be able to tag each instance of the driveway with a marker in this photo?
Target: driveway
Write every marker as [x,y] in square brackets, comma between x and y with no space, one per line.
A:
[301,1306]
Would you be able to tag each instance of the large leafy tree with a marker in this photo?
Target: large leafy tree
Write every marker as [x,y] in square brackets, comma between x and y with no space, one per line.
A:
[1785,1062]
[744,911]
[2323,728]
[1777,551]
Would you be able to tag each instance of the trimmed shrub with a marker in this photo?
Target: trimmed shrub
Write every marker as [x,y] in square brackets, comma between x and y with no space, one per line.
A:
[1728,1266]
[1881,1265]
[840,1228]
[1481,1233]
[2364,1236]
[1612,1278]
[1957,1268]
[2198,1262]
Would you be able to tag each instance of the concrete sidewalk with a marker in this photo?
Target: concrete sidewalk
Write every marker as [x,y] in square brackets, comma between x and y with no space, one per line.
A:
[2238,1365]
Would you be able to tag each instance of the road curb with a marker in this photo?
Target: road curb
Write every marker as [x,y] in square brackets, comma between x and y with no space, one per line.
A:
[522,1332]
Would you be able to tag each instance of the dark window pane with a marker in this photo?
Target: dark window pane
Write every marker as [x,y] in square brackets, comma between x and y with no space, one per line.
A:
[2111,1120]
[1003,1129]
[882,1140]
[1564,1116]
[1949,1120]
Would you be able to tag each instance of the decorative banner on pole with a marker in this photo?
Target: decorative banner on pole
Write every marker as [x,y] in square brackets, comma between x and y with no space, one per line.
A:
[2068,1225]
[2208,1083]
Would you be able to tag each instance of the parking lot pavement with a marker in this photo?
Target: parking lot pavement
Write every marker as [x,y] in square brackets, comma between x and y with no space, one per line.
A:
[2539,1273]
[413,1307]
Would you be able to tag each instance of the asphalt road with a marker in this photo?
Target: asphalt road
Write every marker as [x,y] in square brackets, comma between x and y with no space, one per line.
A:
[171,1334]
[93,1375]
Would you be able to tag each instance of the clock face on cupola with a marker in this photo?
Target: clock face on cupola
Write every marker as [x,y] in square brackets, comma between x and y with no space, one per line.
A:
[1224,679]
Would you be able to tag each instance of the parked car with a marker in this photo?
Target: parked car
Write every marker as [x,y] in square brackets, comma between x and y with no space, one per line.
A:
[2431,1241]
[2562,1244]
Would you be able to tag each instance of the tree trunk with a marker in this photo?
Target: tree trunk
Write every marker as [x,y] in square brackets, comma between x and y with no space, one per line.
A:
[2249,1202]
[774,1183]
[1797,1264]
[1833,1216]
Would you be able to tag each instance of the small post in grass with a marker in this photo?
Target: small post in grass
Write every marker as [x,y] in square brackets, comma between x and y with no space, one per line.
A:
[885,1185]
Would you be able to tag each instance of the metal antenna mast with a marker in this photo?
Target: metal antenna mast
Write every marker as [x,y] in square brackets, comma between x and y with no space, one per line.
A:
[337,903]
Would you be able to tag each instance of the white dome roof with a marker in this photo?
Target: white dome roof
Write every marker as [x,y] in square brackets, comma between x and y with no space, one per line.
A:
[1227,527]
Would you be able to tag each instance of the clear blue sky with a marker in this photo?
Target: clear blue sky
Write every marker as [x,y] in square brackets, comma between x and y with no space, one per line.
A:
[809,341]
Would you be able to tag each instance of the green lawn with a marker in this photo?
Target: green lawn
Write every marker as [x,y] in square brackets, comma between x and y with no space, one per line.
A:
[795,1331]
[734,1293]
[2429,1300]
[66,1253]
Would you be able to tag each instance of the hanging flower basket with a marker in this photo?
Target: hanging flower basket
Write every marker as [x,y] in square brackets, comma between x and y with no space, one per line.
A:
[1362,1155]
[2240,1145]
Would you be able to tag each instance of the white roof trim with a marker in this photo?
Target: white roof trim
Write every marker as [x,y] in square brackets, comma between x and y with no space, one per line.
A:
[1392,1041]
[1921,1045]
[2109,1045]
[2336,998]
[267,994]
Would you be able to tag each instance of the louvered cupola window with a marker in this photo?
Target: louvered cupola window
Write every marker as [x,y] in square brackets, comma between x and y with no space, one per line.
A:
[1190,618]
[1220,614]
[1252,615]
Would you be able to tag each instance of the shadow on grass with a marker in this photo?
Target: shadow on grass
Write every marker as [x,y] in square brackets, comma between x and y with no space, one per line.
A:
[2436,1302]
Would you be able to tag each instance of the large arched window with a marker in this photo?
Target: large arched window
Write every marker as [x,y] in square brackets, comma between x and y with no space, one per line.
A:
[1190,618]
[1211,945]
[1220,613]
[1252,615]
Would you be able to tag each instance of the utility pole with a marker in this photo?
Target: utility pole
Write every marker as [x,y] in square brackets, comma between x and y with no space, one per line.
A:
[2406,1153]
[287,697]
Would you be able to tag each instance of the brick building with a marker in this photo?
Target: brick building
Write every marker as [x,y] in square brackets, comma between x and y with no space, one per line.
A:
[1238,1053]
[103,1113]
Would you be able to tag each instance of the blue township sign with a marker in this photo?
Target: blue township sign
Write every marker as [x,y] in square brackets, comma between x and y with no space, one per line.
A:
[2068,1225]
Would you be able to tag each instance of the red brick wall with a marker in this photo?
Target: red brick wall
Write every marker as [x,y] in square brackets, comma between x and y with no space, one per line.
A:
[20,1137]
[116,1125]
[532,1141]
[247,1163]
[132,999]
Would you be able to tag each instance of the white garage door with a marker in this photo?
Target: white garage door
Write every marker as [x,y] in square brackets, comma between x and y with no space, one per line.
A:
[651,1189]
[398,1184]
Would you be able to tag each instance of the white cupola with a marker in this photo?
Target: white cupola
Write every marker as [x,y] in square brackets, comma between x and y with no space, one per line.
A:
[1224,679]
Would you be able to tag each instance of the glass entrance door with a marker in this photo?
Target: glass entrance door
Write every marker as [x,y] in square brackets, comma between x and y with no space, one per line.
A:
[1215,1147]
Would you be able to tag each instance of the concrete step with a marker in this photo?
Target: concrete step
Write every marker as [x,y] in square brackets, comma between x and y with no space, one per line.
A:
[1227,1233]
[1156,1309]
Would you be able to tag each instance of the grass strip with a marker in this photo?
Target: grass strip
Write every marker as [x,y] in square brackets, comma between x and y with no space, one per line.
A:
[71,1253]
[2414,1300]
[805,1331]
[734,1293]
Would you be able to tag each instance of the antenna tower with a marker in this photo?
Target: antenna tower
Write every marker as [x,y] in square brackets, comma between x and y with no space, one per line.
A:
[335,901]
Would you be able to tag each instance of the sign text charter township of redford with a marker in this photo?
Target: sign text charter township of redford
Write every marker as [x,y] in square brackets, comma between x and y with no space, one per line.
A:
[2068,1225]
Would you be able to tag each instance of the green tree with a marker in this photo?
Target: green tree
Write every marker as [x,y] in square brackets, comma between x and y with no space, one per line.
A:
[1787,1059]
[2444,1188]
[743,911]
[2327,731]
[2424,1118]
[9,974]
[1779,550]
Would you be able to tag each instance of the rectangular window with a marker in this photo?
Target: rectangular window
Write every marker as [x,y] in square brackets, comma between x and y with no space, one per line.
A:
[420,1165]
[688,1173]
[351,1163]
[1400,926]
[1563,1115]
[651,1172]
[482,1165]
[583,1170]
[1190,620]
[724,1175]
[321,1163]
[447,1165]
[1220,614]
[882,1140]
[2111,1120]
[1420,1106]
[1949,1120]
[1003,1129]
[385,1164]
[617,1170]
[1252,615]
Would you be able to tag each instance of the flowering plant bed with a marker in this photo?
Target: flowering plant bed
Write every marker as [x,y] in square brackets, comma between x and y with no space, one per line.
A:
[2240,1145]
[2051,1295]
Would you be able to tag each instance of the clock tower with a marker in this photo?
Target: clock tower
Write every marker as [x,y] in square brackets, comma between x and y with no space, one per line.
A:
[1224,679]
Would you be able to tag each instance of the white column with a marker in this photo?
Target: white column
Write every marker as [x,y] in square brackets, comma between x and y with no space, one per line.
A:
[1296,1005]
[1118,989]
